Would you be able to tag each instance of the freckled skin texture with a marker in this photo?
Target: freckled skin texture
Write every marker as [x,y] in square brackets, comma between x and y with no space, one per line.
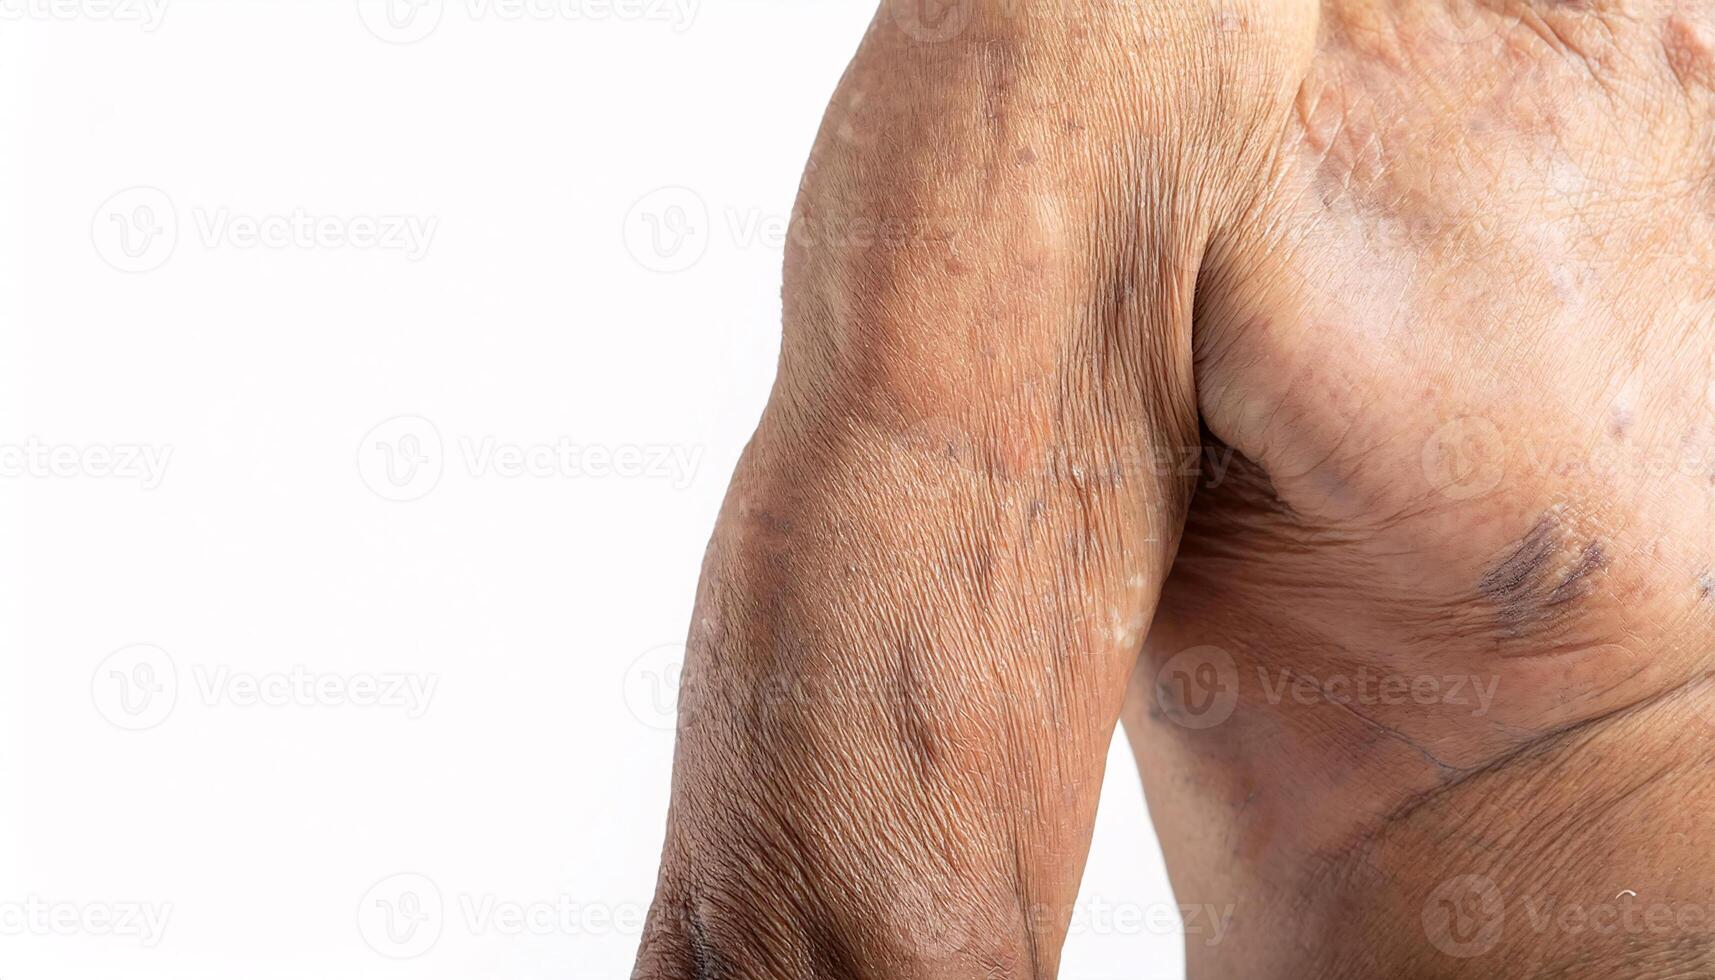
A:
[1415,670]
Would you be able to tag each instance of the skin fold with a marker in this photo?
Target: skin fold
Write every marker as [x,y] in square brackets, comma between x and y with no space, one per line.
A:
[1322,390]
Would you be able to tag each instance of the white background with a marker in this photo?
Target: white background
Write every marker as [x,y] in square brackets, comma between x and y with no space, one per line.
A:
[213,580]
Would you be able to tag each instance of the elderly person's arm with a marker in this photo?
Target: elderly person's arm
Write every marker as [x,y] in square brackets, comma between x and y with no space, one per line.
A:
[940,554]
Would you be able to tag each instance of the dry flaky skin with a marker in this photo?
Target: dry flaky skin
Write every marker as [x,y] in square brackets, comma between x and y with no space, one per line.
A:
[1431,282]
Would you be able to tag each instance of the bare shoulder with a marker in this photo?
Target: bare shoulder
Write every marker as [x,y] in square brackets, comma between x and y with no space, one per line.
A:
[1006,193]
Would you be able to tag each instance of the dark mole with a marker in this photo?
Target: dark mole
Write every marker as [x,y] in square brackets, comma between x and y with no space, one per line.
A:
[1524,587]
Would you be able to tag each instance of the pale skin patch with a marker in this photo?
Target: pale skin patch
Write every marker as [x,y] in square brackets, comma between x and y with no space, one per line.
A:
[1126,630]
[1126,624]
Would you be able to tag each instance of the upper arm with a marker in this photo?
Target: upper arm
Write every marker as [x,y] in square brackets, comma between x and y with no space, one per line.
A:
[940,552]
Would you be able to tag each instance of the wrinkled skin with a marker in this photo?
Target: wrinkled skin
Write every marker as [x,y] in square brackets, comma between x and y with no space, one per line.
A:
[1415,669]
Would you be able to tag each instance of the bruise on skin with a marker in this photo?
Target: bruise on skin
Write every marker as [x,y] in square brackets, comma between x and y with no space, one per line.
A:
[705,961]
[1534,587]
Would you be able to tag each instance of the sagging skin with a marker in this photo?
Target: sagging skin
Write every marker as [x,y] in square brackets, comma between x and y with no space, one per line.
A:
[1421,662]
